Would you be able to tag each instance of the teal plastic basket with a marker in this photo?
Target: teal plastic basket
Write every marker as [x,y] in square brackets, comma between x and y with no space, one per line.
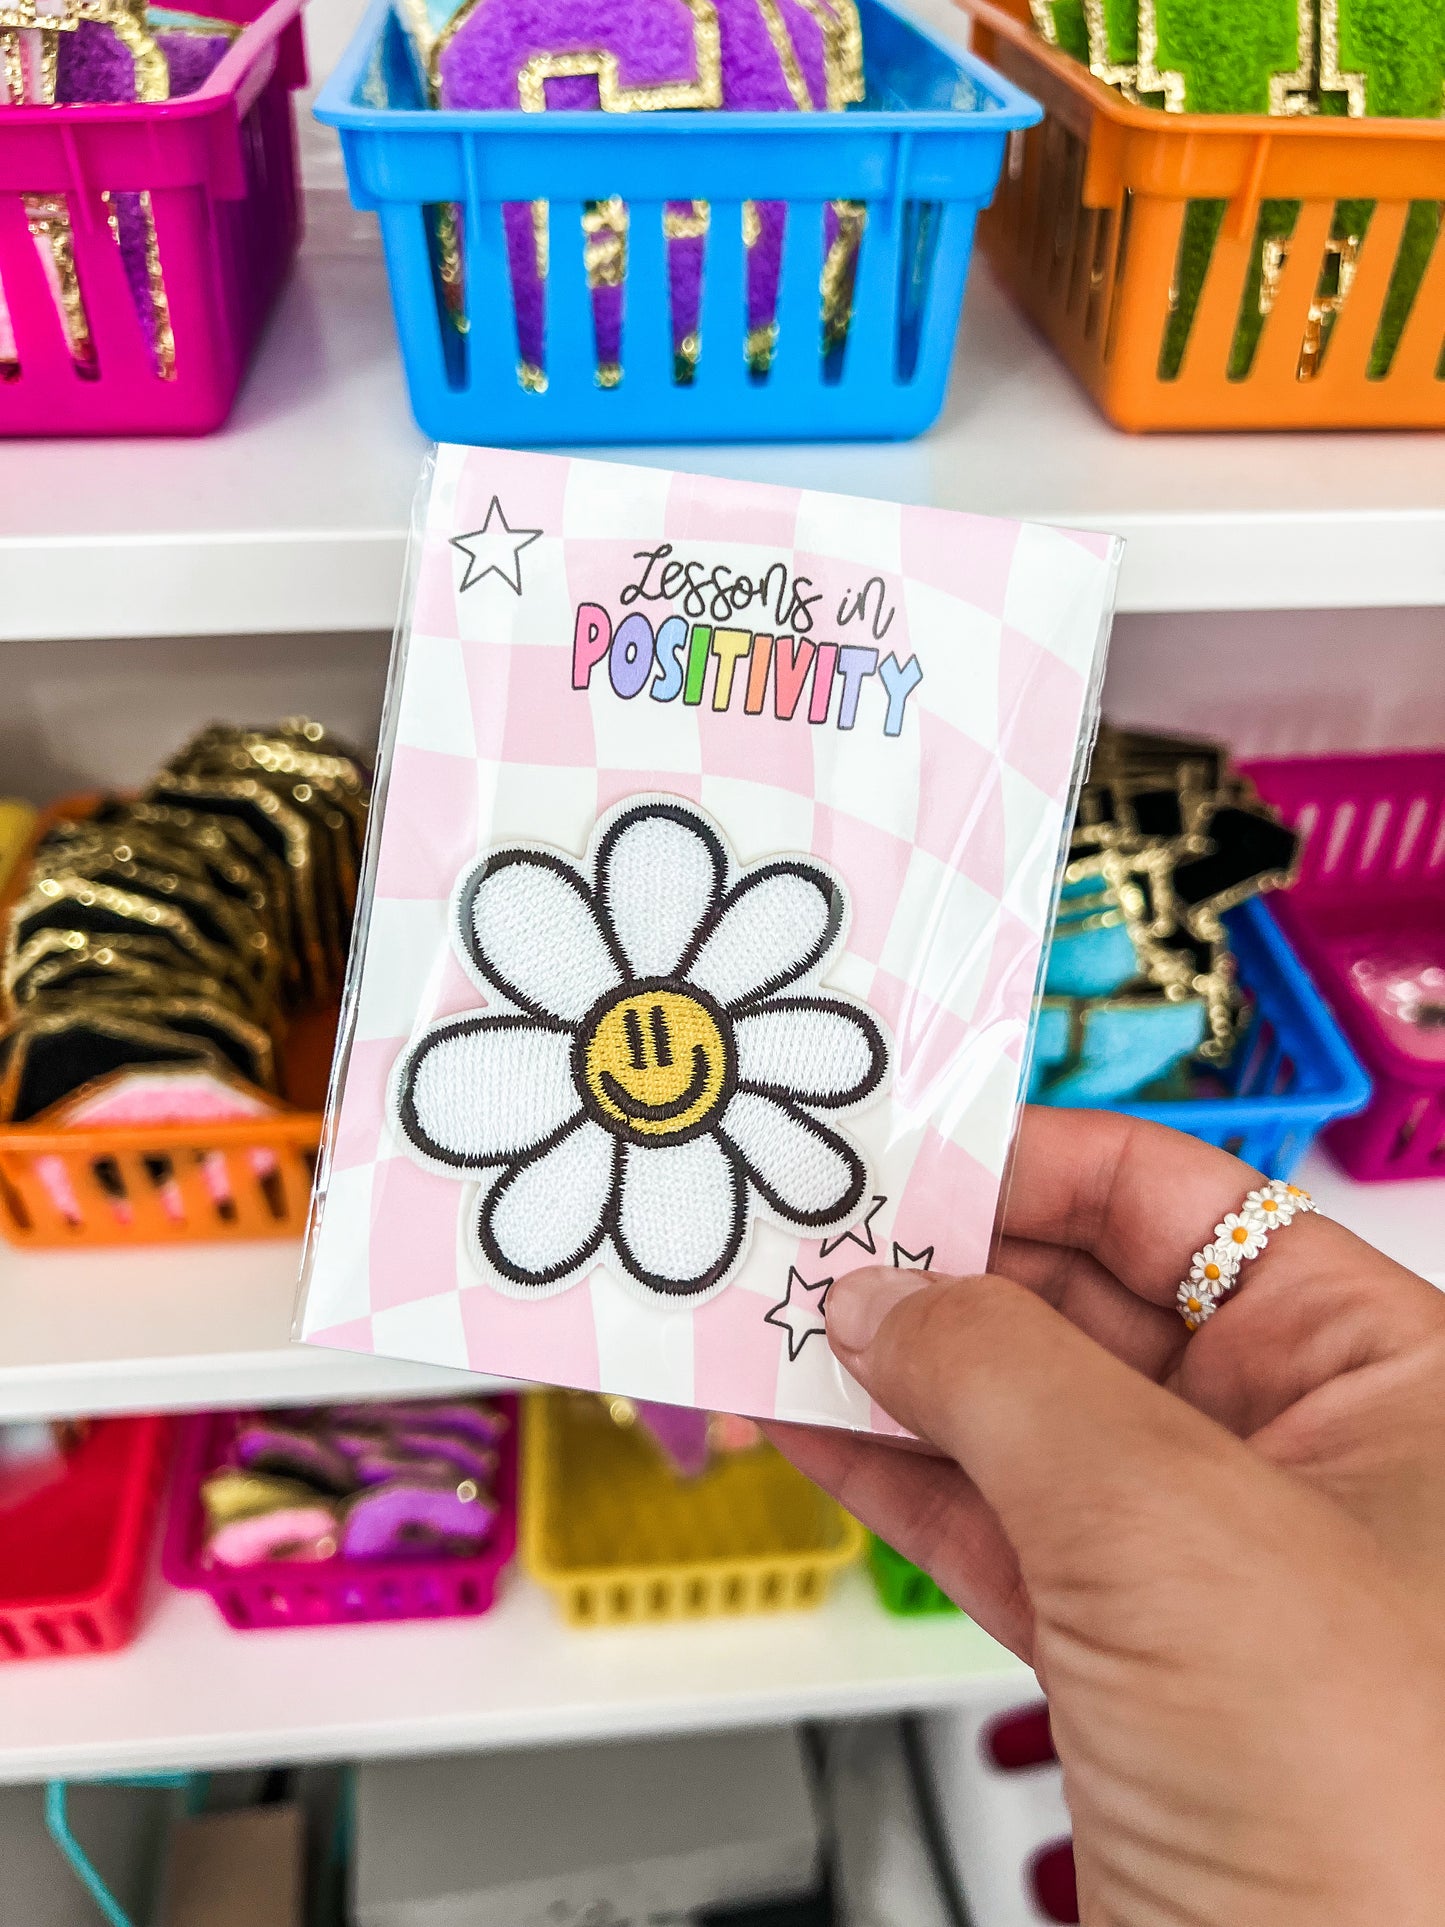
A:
[922,152]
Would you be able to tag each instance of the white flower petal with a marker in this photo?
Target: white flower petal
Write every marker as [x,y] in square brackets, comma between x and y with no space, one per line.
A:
[546,1217]
[808,1174]
[818,1049]
[682,1214]
[660,870]
[532,932]
[779,922]
[480,1092]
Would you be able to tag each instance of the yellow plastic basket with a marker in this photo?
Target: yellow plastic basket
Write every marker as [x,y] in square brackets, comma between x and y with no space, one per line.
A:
[620,1540]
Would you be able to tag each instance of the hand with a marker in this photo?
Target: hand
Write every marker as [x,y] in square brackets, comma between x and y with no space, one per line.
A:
[1224,1554]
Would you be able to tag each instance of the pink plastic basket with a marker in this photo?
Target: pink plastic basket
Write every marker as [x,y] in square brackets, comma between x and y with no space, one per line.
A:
[1373,875]
[332,1592]
[220,168]
[74,1554]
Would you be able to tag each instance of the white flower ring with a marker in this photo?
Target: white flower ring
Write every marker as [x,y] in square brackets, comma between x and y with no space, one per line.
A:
[648,1074]
[1243,1232]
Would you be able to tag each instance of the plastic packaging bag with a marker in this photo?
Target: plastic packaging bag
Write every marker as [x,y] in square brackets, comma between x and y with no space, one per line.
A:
[716,844]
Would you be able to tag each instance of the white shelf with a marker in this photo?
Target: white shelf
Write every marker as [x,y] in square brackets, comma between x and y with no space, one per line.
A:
[191,1326]
[172,1328]
[294,517]
[192,1693]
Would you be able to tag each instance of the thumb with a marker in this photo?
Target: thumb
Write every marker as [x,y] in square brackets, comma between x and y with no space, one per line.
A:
[1071,1448]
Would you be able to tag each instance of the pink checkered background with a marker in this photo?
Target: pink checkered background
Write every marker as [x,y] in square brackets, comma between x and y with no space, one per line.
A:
[947,837]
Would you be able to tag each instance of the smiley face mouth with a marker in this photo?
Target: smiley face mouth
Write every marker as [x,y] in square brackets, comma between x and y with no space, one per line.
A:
[640,1112]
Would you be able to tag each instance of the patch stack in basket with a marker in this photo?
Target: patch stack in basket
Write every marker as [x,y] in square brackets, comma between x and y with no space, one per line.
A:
[157,945]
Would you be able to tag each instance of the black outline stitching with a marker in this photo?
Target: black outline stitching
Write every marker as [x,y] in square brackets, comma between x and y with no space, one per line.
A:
[853,1158]
[690,818]
[504,859]
[430,1040]
[742,1177]
[710,1118]
[539,1280]
[827,886]
[836,1006]
[639,1112]
[737,1236]
[864,1224]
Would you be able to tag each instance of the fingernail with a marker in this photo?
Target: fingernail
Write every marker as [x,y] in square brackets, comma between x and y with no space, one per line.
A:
[860,1301]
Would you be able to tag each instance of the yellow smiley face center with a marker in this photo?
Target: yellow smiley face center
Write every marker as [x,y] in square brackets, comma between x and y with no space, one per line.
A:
[655,1062]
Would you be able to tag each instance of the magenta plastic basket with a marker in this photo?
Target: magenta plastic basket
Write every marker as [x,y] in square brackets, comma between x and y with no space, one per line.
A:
[1373,867]
[331,1592]
[220,168]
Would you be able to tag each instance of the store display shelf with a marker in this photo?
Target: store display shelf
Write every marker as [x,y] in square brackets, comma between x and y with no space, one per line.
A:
[294,518]
[187,1327]
[191,1693]
[172,1328]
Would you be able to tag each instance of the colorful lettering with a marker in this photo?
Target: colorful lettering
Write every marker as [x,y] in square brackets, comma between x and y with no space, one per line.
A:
[672,661]
[853,665]
[697,663]
[762,656]
[671,641]
[591,639]
[788,681]
[629,661]
[900,680]
[729,646]
[823,665]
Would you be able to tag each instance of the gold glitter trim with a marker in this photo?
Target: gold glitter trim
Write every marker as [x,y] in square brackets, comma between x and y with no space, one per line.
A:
[694,226]
[532,378]
[1113,73]
[614,98]
[758,347]
[1044,22]
[1332,80]
[1289,93]
[160,306]
[609,374]
[541,238]
[787,54]
[752,224]
[152,70]
[48,218]
[1340,259]
[14,61]
[842,50]
[839,268]
[604,252]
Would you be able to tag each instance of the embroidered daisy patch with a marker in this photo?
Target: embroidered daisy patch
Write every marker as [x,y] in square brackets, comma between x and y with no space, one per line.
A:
[656,1059]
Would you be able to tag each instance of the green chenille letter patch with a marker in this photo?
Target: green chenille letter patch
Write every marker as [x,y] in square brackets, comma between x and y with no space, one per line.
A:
[1384,56]
[1226,56]
[1062,24]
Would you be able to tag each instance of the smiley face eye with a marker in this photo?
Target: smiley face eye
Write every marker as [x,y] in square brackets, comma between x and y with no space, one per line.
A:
[635,1049]
[661,1042]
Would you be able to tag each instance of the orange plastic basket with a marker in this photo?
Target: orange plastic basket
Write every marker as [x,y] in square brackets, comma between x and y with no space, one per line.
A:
[619,1539]
[1086,228]
[168,1183]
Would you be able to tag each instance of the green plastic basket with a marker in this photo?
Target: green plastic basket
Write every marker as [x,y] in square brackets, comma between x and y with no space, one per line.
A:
[904,1588]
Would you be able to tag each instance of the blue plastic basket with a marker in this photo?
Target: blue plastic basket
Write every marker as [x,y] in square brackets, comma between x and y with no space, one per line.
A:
[1292,1073]
[923,152]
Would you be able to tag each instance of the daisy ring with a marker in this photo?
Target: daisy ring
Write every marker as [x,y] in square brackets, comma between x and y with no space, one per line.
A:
[1215,1270]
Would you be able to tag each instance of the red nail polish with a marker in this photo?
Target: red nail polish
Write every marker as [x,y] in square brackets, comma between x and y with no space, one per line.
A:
[1056,1890]
[1019,1740]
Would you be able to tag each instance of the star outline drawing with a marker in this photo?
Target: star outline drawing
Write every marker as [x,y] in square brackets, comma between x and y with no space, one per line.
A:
[788,1312]
[860,1234]
[906,1260]
[495,545]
